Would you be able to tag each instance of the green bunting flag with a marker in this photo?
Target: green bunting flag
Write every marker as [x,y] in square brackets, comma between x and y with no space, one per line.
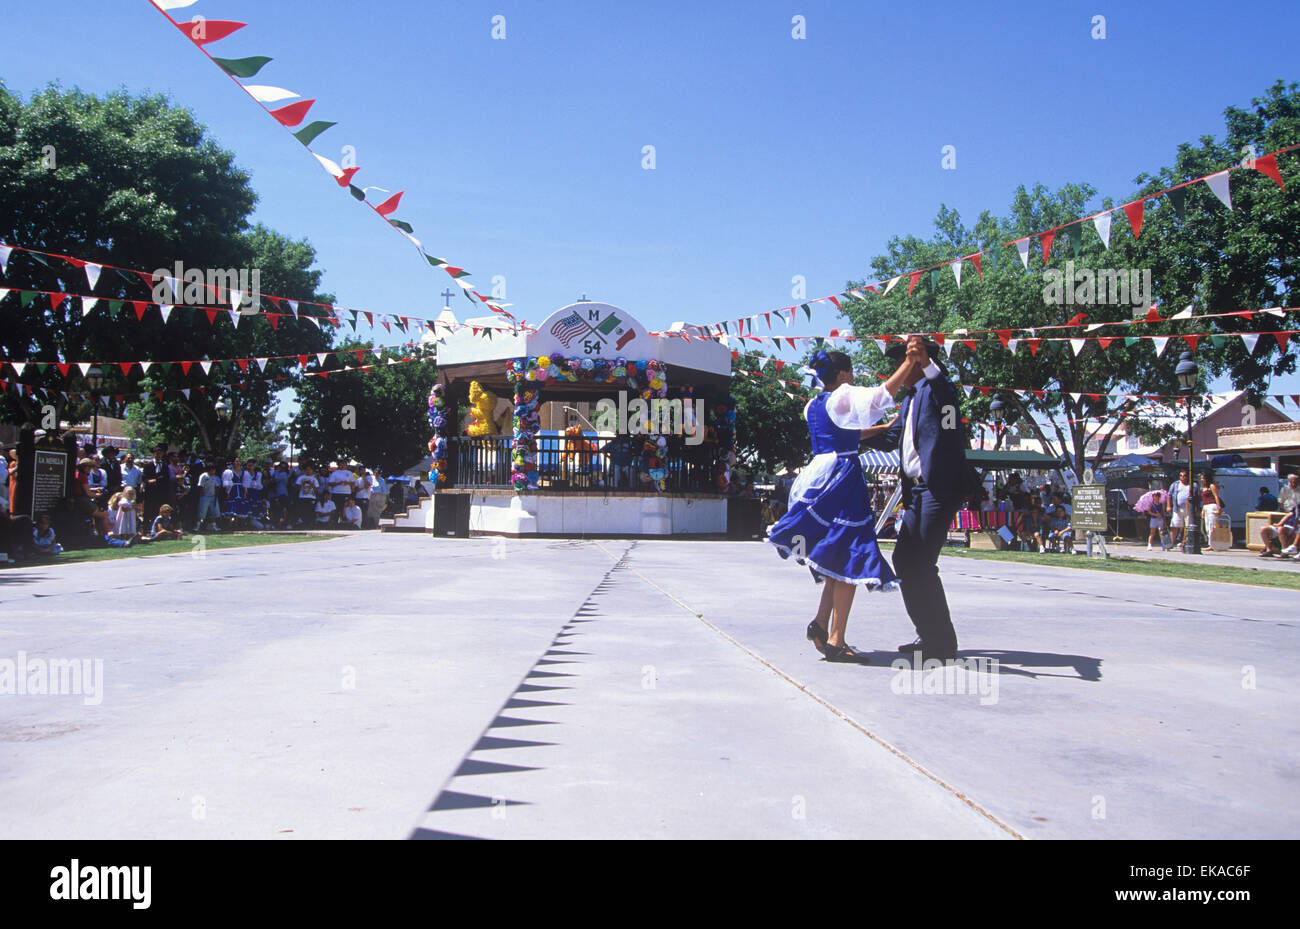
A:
[807,311]
[1218,340]
[27,296]
[1075,232]
[934,281]
[242,67]
[1130,341]
[307,134]
[1178,197]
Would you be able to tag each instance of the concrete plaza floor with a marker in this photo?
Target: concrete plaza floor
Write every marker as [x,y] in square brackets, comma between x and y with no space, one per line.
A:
[398,686]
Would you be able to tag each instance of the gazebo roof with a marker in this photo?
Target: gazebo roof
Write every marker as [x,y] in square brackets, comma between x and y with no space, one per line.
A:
[581,330]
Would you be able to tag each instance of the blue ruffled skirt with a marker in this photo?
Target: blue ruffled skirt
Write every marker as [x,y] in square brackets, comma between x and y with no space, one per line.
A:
[829,525]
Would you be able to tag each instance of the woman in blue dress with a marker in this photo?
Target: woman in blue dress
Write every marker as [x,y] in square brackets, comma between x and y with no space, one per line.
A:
[829,524]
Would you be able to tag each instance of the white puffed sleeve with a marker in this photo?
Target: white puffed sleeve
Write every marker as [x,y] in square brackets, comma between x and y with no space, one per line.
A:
[854,407]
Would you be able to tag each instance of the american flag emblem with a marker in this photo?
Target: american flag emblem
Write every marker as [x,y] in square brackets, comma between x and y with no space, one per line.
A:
[566,329]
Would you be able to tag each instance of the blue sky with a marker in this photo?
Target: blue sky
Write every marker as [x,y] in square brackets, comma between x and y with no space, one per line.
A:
[775,157]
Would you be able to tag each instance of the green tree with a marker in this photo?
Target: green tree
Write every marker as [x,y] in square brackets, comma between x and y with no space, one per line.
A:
[135,182]
[770,428]
[1214,259]
[379,417]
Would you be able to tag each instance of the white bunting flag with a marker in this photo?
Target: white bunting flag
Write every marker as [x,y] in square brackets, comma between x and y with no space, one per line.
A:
[92,274]
[882,345]
[166,310]
[85,367]
[5,251]
[18,366]
[173,4]
[1012,345]
[892,282]
[236,298]
[206,366]
[4,292]
[1219,184]
[264,93]
[88,304]
[1185,314]
[956,270]
[1249,339]
[333,169]
[261,363]
[1160,342]
[293,305]
[185,391]
[1102,222]
[234,317]
[1022,247]
[1078,345]
[320,358]
[145,366]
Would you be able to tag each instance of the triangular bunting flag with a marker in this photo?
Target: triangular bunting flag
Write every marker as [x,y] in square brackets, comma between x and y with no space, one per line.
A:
[1046,240]
[88,304]
[1268,165]
[1249,339]
[1101,222]
[1178,197]
[1134,213]
[1160,342]
[956,270]
[1022,248]
[1219,184]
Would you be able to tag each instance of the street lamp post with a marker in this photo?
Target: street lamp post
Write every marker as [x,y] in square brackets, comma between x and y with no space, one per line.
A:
[1187,375]
[95,380]
[223,416]
[998,410]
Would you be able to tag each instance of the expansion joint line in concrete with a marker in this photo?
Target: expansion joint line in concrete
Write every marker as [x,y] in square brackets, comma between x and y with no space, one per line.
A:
[902,756]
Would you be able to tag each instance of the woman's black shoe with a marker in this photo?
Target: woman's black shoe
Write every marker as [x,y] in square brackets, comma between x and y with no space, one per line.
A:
[817,636]
[845,653]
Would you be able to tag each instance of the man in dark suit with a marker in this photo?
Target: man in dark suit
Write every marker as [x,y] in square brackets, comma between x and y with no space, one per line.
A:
[157,485]
[931,444]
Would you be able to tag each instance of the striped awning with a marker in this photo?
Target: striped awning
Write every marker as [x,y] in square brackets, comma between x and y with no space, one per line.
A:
[875,462]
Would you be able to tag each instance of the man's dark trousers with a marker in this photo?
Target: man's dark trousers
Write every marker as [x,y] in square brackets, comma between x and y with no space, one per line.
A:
[916,554]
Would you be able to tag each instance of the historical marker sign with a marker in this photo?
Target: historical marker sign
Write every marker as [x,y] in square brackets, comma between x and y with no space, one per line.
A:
[1088,507]
[49,472]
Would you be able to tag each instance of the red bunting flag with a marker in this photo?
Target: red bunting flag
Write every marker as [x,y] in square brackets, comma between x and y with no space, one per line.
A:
[1103,342]
[125,366]
[1268,165]
[1004,336]
[140,306]
[202,31]
[63,367]
[185,366]
[1046,240]
[1033,345]
[1281,340]
[56,300]
[390,205]
[975,260]
[1134,213]
[212,317]
[911,284]
[293,114]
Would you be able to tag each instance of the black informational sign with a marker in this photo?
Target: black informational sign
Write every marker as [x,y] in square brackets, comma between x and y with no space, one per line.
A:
[49,473]
[1088,507]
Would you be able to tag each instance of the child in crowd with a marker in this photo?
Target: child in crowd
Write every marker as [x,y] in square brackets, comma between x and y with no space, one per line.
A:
[351,515]
[43,539]
[164,525]
[325,511]
[1157,513]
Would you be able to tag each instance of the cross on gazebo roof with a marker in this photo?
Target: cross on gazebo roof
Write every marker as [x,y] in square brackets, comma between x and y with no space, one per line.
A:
[447,294]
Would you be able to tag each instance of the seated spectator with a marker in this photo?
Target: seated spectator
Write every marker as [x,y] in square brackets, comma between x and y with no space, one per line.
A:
[43,537]
[1267,503]
[85,503]
[165,525]
[1280,538]
[352,515]
[325,510]
[1060,532]
[1030,533]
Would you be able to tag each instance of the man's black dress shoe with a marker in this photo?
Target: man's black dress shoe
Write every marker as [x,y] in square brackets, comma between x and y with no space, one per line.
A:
[917,649]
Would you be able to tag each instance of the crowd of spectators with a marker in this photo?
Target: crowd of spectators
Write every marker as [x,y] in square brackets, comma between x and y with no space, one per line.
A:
[117,502]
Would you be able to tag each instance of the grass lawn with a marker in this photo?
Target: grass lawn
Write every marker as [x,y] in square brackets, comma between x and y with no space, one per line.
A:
[1286,580]
[186,545]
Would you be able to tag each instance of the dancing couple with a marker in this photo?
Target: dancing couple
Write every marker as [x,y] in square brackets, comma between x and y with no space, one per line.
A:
[829,524]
